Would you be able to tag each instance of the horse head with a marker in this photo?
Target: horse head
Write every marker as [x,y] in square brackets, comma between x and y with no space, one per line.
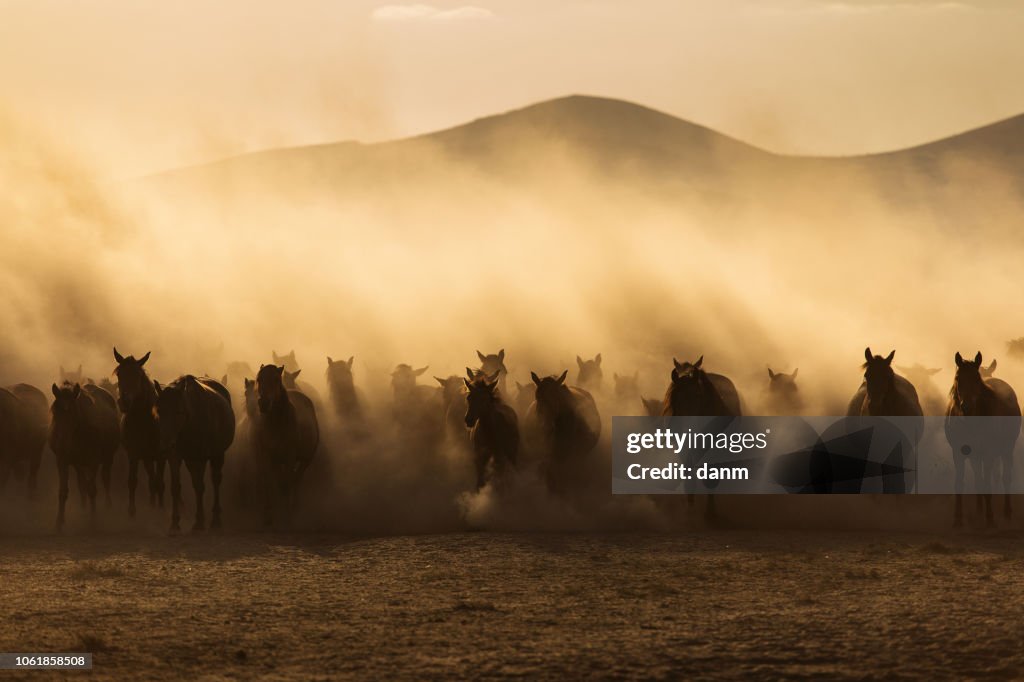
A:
[493,364]
[551,392]
[403,379]
[132,380]
[481,397]
[590,374]
[969,384]
[270,388]
[627,387]
[879,377]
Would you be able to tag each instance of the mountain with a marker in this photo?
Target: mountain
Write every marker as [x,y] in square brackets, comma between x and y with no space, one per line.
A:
[626,145]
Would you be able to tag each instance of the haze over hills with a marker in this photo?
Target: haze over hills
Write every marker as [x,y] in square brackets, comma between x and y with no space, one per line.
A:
[610,138]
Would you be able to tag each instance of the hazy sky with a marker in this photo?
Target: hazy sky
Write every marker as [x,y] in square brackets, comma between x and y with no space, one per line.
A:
[141,85]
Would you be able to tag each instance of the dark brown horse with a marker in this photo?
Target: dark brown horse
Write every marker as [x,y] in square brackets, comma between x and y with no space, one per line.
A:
[197,426]
[24,419]
[285,434]
[883,393]
[83,433]
[589,375]
[494,429]
[140,430]
[783,394]
[696,393]
[984,442]
[565,425]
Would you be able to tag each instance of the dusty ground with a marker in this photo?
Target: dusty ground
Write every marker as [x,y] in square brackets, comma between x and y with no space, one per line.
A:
[711,604]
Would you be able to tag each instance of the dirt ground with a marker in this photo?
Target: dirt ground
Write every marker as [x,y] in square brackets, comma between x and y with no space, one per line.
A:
[709,604]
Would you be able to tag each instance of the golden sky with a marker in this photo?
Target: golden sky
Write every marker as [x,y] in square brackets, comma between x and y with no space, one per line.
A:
[141,85]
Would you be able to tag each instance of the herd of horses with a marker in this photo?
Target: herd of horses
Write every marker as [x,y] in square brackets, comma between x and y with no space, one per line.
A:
[548,423]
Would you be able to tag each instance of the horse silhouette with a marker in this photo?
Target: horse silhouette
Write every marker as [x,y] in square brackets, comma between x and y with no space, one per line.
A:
[933,401]
[525,395]
[293,383]
[453,398]
[693,392]
[696,393]
[652,407]
[985,443]
[345,398]
[140,429]
[417,410]
[627,387]
[565,427]
[84,434]
[783,393]
[494,364]
[106,404]
[288,361]
[589,375]
[286,435]
[987,372]
[197,426]
[71,376]
[883,393]
[494,429]
[24,420]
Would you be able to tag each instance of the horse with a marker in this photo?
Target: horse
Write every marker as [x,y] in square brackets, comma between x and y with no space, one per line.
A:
[285,435]
[197,425]
[292,383]
[987,372]
[83,433]
[140,430]
[71,376]
[347,403]
[106,405]
[627,388]
[652,406]
[993,440]
[494,429]
[783,394]
[24,419]
[525,395]
[566,426]
[417,410]
[589,375]
[289,361]
[933,401]
[694,392]
[494,364]
[453,398]
[883,393]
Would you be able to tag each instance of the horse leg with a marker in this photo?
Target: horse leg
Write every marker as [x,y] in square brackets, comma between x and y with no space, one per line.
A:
[105,474]
[986,474]
[33,471]
[480,460]
[151,480]
[133,479]
[62,468]
[1007,484]
[958,487]
[158,464]
[197,469]
[216,470]
[175,465]
[82,476]
[90,483]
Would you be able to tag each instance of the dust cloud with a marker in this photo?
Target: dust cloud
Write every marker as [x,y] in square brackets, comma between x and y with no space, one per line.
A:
[547,241]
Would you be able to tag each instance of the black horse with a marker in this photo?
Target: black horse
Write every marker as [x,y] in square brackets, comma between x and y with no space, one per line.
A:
[197,425]
[140,430]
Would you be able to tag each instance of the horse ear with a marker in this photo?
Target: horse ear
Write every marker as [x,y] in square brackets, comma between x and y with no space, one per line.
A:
[329,361]
[933,372]
[274,354]
[296,373]
[79,369]
[493,384]
[469,373]
[519,386]
[597,359]
[118,356]
[279,369]
[144,358]
[468,384]
[579,361]
[76,391]
[157,387]
[501,355]
[977,359]
[889,357]
[959,359]
[992,367]
[481,356]
[561,379]
[700,361]
[536,379]
[867,353]
[678,365]
[351,360]
[795,372]
[421,370]
[771,374]
[55,390]
[224,380]
[439,380]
